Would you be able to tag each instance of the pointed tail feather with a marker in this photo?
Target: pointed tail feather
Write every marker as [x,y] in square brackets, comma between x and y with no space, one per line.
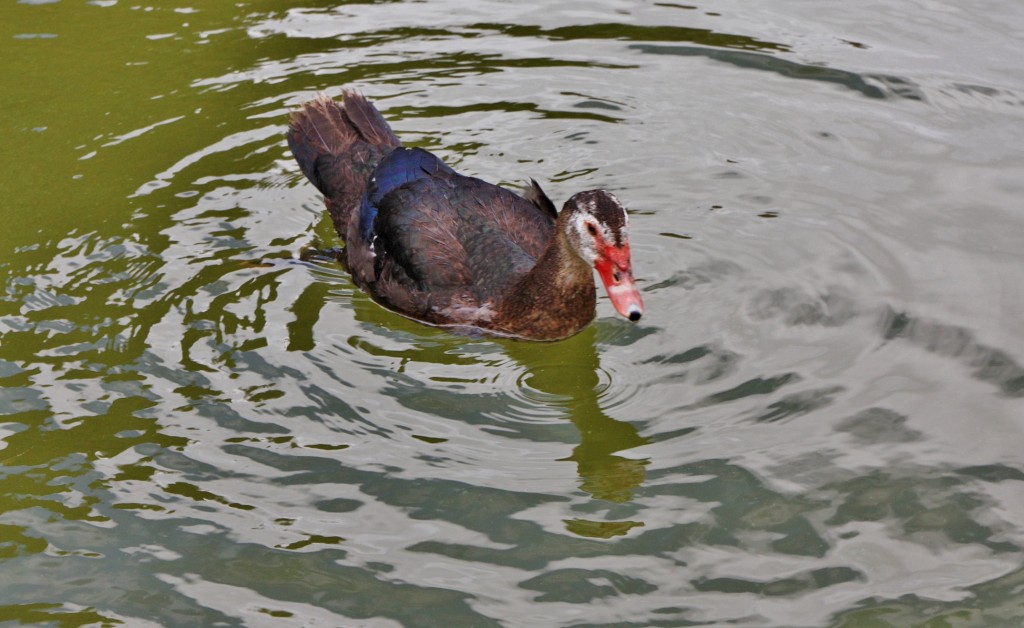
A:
[365,118]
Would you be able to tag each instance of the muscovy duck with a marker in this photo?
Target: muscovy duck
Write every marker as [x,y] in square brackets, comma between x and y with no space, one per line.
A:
[451,250]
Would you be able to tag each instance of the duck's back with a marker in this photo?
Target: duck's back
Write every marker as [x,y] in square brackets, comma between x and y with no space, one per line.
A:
[440,246]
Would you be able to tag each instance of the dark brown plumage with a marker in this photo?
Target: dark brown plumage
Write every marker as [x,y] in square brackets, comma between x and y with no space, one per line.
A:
[452,250]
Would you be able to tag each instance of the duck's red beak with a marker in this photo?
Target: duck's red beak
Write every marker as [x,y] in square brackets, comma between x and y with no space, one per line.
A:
[616,273]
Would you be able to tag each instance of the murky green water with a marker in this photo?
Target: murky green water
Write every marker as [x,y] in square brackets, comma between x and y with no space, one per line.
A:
[819,422]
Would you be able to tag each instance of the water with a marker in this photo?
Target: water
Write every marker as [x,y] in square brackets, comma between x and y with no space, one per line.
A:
[818,422]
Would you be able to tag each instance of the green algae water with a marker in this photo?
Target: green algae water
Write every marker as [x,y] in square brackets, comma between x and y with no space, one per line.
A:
[818,422]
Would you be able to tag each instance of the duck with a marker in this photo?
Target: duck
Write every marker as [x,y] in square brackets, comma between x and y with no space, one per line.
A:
[452,250]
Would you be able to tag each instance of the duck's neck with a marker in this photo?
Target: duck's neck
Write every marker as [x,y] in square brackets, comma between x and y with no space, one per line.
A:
[555,299]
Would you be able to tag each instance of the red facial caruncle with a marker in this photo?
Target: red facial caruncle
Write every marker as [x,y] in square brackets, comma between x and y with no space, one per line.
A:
[616,271]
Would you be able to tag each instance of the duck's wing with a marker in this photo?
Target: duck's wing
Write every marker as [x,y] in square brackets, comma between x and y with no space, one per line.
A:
[435,232]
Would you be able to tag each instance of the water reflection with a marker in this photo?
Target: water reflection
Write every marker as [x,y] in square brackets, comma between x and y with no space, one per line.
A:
[570,373]
[892,86]
[988,364]
[554,382]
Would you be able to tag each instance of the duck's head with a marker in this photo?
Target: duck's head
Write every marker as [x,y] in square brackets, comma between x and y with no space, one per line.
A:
[597,227]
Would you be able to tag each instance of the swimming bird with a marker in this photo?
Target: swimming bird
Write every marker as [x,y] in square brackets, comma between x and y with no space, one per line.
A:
[455,251]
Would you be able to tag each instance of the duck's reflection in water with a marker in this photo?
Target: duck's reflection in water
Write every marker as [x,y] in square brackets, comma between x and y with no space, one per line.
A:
[570,373]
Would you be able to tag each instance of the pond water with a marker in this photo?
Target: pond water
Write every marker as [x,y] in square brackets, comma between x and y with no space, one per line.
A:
[819,421]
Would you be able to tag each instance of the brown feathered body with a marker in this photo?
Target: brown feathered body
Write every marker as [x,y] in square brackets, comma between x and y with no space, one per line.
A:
[444,248]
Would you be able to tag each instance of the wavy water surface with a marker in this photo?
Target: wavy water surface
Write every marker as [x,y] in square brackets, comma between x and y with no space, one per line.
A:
[818,423]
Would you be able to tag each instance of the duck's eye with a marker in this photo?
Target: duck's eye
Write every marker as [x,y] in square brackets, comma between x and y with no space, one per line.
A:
[592,228]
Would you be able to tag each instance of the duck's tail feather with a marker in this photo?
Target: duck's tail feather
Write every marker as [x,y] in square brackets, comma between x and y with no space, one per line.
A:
[337,146]
[536,195]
